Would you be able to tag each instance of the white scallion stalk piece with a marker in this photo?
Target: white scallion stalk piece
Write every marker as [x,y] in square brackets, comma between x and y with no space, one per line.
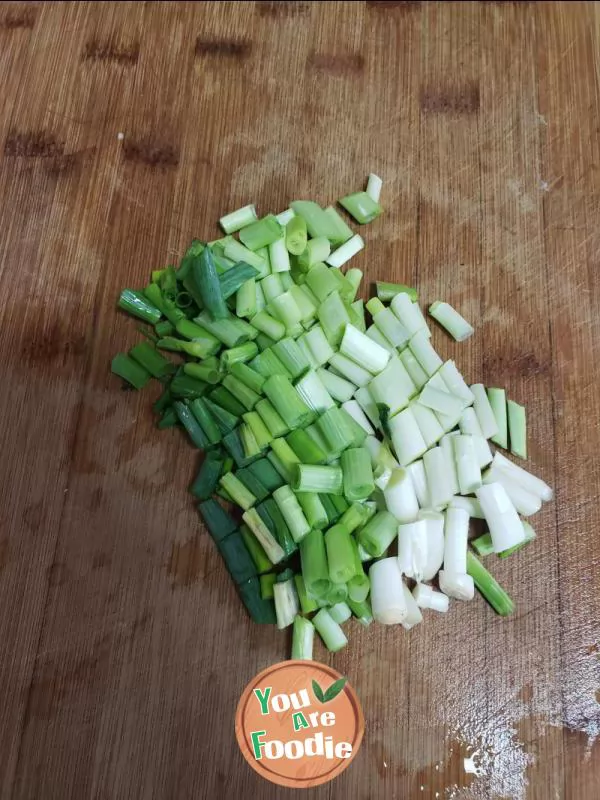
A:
[528,481]
[368,405]
[419,480]
[483,409]
[438,484]
[469,425]
[388,323]
[328,629]
[460,586]
[287,604]
[524,501]
[455,383]
[382,461]
[291,511]
[400,497]
[260,297]
[467,464]
[279,256]
[340,613]
[317,341]
[428,598]
[406,437]
[423,351]
[348,369]
[444,402]
[270,545]
[409,313]
[434,535]
[308,354]
[285,216]
[302,639]
[449,318]
[374,184]
[414,369]
[388,601]
[358,415]
[456,535]
[412,548]
[236,220]
[448,448]
[497,398]
[339,388]
[314,394]
[374,333]
[470,504]
[393,386]
[517,429]
[413,612]
[506,529]
[430,428]
[346,251]
[363,351]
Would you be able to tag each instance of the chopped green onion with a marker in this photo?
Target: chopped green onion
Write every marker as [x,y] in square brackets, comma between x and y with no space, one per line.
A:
[484,411]
[302,639]
[164,328]
[191,424]
[237,559]
[185,386]
[313,509]
[261,233]
[340,554]
[271,418]
[209,285]
[338,232]
[339,388]
[291,510]
[503,521]
[296,235]
[292,357]
[406,437]
[489,587]
[250,446]
[377,336]
[317,221]
[321,479]
[378,533]
[238,219]
[308,604]
[207,370]
[153,362]
[393,386]
[359,585]
[264,471]
[238,253]
[240,354]
[529,537]
[267,582]
[524,501]
[279,256]
[388,599]
[249,377]
[222,397]
[497,399]
[483,545]
[267,324]
[270,511]
[321,281]
[270,545]
[409,314]
[286,602]
[340,503]
[313,393]
[354,517]
[362,207]
[358,474]
[287,401]
[307,303]
[235,447]
[287,458]
[388,323]
[216,519]
[333,317]
[517,428]
[431,429]
[316,251]
[354,410]
[334,426]
[247,397]
[208,475]
[456,325]
[245,299]
[169,419]
[261,561]
[363,351]
[285,308]
[136,304]
[374,185]
[361,610]
[264,342]
[252,483]
[421,348]
[232,280]
[318,344]
[332,513]
[226,331]
[202,413]
[467,463]
[260,610]
[329,631]
[130,370]
[307,450]
[415,370]
[387,291]
[259,430]
[354,277]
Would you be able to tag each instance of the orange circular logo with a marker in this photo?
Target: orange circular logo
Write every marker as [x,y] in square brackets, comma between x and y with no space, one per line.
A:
[299,724]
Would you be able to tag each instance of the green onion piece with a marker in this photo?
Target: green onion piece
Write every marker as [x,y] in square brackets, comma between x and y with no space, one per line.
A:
[163,402]
[286,456]
[186,387]
[313,509]
[269,325]
[316,250]
[197,349]
[357,315]
[387,291]
[208,475]
[307,603]
[216,519]
[225,330]
[359,585]
[240,354]
[354,277]
[202,413]
[517,429]
[238,253]
[271,418]
[281,530]
[252,483]
[449,318]
[266,473]
[267,364]
[336,430]
[208,283]
[260,610]
[361,610]
[191,424]
[339,388]
[128,369]
[249,444]
[236,220]
[245,299]
[164,328]
[287,401]
[187,262]
[237,559]
[529,537]
[147,357]
[266,585]
[247,397]
[358,474]
[355,516]
[227,401]
[356,430]
[251,379]
[136,304]
[232,280]
[207,370]
[296,234]
[306,303]
[292,357]
[349,370]
[266,538]
[240,495]
[319,346]
[340,554]
[483,545]
[315,434]
[169,419]
[302,639]
[313,557]
[196,333]
[307,450]
[234,446]
[329,630]
[489,587]
[322,281]
[285,308]
[324,480]
[292,513]
[332,513]
[497,400]
[221,492]
[263,342]
[362,207]
[259,429]
[339,231]
[261,233]
[378,533]
[340,503]
[333,317]
[262,562]
[279,256]
[313,393]
[286,602]
[344,286]
[340,612]
[272,287]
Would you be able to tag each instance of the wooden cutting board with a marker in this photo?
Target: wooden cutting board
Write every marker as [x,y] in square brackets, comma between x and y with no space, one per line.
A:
[125,130]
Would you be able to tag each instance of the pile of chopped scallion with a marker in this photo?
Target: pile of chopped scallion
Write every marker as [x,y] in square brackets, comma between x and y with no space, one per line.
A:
[337,442]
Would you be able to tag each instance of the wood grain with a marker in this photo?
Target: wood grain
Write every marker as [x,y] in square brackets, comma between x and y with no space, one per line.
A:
[124,648]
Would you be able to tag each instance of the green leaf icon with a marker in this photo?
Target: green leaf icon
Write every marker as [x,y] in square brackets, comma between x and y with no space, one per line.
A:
[318,692]
[335,688]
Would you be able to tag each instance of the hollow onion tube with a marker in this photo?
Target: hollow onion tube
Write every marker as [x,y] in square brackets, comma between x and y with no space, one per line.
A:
[406,437]
[308,604]
[333,316]
[286,602]
[292,513]
[413,612]
[358,474]
[313,509]
[362,611]
[308,354]
[340,554]
[368,405]
[400,497]
[438,483]
[378,534]
[303,632]
[350,370]
[313,393]
[374,333]
[388,600]
[412,548]
[374,184]
[346,251]
[265,323]
[321,479]
[452,474]
[469,425]
[497,399]
[362,350]
[261,233]
[318,344]
[313,558]
[426,597]
[454,382]
[240,495]
[296,234]
[517,429]
[393,386]
[270,545]
[417,374]
[236,220]
[423,351]
[358,585]
[339,388]
[489,587]
[456,325]
[287,401]
[434,549]
[459,585]
[271,418]
[388,323]
[340,612]
[456,534]
[467,464]
[266,585]
[409,313]
[483,410]
[329,630]
[279,256]
[470,504]
[501,516]
[528,481]
[428,423]
[292,357]
[444,402]
[285,216]
[524,502]
[416,470]
[387,291]
[353,408]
